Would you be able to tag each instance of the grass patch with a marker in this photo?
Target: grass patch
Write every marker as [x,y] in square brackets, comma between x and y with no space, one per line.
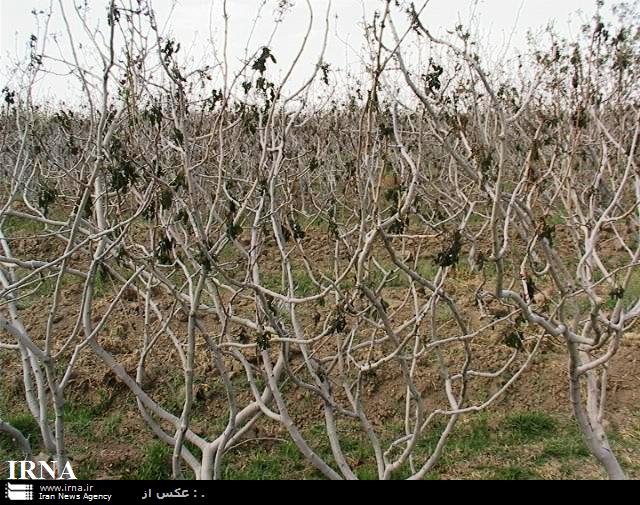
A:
[79,420]
[272,280]
[557,219]
[156,463]
[26,425]
[530,426]
[101,285]
[304,284]
[632,293]
[475,439]
[564,447]
[86,470]
[84,420]
[42,292]
[427,269]
[255,462]
[514,473]
[111,425]
[21,227]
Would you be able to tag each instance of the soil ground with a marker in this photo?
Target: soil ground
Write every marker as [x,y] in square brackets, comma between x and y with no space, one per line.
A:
[530,433]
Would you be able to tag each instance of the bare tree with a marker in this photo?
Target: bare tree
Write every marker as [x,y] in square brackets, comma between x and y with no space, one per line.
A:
[302,242]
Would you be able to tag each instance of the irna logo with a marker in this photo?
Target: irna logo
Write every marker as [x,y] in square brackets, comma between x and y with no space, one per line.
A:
[40,470]
[19,492]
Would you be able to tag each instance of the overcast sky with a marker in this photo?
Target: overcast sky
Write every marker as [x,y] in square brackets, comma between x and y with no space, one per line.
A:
[499,21]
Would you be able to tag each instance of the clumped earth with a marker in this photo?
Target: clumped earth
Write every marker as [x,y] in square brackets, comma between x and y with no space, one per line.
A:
[529,434]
